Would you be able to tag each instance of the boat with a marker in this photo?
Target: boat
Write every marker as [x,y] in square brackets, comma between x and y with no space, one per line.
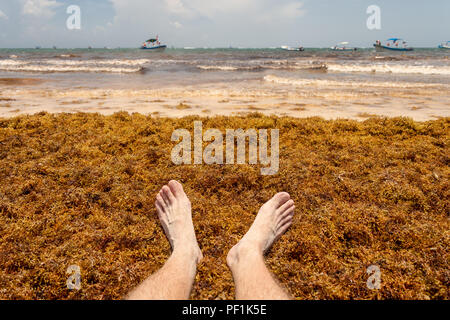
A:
[392,44]
[342,46]
[154,45]
[444,45]
[286,48]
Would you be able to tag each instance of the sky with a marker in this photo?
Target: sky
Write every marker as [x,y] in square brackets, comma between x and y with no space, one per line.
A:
[214,23]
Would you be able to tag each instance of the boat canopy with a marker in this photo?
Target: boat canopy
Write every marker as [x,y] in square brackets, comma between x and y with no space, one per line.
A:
[394,39]
[151,40]
[345,42]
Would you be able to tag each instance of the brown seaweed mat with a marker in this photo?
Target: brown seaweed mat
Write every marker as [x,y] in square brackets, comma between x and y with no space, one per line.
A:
[79,189]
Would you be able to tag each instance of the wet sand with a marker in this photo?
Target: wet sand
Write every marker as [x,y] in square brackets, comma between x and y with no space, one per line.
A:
[19,81]
[296,98]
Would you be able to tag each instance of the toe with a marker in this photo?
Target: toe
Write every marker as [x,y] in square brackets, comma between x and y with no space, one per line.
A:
[287,212]
[176,188]
[283,228]
[287,205]
[286,219]
[164,197]
[161,213]
[168,195]
[280,198]
[160,201]
[159,209]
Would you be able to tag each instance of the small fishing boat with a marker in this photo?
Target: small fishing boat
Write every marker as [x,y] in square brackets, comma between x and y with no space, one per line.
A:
[342,46]
[392,44]
[444,45]
[286,48]
[153,45]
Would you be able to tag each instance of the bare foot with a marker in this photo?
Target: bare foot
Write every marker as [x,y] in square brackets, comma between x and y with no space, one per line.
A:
[174,212]
[272,221]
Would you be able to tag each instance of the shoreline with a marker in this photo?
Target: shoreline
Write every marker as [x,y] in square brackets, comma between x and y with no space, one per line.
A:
[202,116]
[328,100]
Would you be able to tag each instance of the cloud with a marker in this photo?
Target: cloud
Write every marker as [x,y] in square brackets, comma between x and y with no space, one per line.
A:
[3,15]
[213,9]
[177,7]
[282,12]
[241,22]
[292,10]
[40,8]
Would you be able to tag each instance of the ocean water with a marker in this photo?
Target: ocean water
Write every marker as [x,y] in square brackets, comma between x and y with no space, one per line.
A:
[204,65]
[266,76]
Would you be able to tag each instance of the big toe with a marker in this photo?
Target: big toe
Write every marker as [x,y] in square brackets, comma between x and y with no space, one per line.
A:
[176,188]
[279,199]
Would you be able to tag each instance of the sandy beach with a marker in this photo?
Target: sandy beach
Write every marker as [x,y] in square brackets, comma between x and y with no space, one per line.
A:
[85,144]
[208,82]
[328,99]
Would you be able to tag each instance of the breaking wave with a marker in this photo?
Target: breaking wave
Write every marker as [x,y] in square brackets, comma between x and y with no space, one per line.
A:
[266,65]
[52,65]
[391,68]
[334,83]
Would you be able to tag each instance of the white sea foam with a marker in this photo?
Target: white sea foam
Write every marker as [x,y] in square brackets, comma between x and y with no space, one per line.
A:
[11,62]
[222,68]
[125,62]
[334,83]
[259,65]
[99,66]
[50,69]
[392,68]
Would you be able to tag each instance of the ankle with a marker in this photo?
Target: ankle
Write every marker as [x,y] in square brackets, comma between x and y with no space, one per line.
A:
[188,251]
[249,247]
[244,252]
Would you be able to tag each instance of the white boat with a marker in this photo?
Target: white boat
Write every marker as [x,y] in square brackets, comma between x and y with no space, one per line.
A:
[287,48]
[392,44]
[155,48]
[154,45]
[342,46]
[444,45]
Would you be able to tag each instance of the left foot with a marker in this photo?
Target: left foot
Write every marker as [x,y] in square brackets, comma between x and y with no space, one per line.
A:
[174,212]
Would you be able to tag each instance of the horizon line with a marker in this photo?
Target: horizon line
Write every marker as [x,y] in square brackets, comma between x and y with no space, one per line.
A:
[184,48]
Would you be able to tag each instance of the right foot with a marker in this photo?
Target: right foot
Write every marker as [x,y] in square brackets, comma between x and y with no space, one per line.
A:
[174,212]
[272,221]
